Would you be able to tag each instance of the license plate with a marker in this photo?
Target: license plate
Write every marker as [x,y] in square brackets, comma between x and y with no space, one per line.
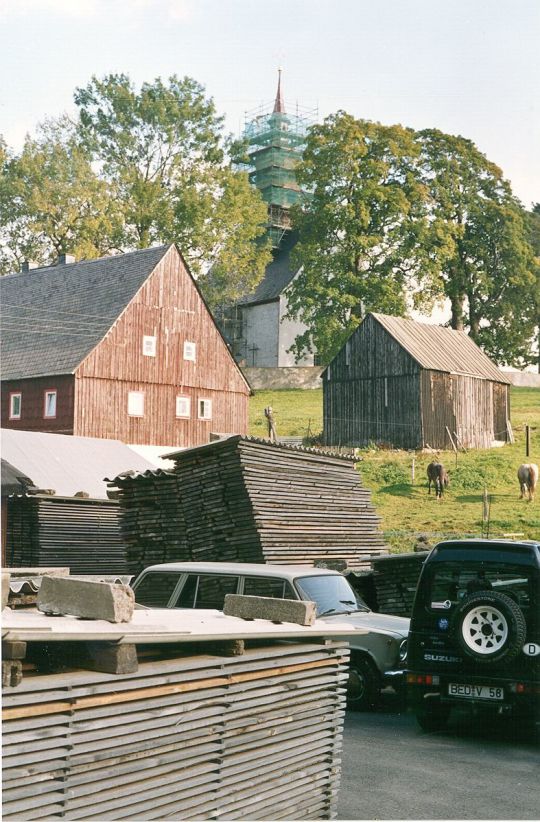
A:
[475,691]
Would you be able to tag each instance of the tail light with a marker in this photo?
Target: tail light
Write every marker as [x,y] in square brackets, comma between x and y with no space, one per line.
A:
[524,688]
[422,679]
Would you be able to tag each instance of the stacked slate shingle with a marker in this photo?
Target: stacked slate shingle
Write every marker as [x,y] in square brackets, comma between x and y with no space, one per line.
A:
[247,500]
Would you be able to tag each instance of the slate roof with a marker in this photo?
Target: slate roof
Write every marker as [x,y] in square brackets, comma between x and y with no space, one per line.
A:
[277,276]
[437,348]
[52,317]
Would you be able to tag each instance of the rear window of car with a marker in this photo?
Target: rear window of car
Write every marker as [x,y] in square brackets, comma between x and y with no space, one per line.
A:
[268,587]
[452,581]
[155,588]
[206,591]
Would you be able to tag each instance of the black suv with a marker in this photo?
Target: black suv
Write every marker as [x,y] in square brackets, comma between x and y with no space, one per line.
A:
[475,631]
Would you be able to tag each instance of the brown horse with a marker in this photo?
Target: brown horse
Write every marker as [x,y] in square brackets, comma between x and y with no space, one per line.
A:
[528,478]
[437,475]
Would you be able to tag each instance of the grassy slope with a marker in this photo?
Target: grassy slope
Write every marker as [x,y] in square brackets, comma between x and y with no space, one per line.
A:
[405,507]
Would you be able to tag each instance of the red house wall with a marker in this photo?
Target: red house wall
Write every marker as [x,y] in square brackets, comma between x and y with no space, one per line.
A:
[33,404]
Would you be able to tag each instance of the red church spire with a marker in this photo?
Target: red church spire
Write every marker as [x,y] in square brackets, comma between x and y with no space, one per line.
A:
[279,105]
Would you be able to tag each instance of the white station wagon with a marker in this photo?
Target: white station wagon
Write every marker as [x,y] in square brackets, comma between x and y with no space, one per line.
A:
[377,657]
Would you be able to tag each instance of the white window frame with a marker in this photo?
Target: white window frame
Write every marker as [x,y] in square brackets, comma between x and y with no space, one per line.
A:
[133,400]
[50,392]
[206,408]
[348,353]
[13,395]
[149,346]
[183,399]
[190,350]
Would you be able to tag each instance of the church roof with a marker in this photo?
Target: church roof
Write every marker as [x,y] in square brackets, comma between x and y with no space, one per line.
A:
[279,273]
[279,105]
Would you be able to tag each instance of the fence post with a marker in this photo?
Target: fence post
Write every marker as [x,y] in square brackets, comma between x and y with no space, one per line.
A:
[412,471]
[527,440]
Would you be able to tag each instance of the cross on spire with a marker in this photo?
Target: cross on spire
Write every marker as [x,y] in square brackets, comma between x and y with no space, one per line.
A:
[279,105]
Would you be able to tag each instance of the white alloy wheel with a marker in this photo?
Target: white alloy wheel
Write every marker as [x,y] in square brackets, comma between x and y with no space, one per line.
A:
[485,630]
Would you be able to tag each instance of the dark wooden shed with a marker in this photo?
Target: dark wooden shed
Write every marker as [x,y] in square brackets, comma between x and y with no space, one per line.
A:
[413,385]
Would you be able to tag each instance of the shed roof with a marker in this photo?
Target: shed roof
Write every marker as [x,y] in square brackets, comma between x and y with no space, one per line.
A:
[278,274]
[69,464]
[52,317]
[13,480]
[437,348]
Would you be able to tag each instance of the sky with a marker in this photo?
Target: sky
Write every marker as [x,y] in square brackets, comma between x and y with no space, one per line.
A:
[469,67]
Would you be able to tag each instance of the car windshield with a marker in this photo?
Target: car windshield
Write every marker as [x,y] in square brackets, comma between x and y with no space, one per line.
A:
[331,593]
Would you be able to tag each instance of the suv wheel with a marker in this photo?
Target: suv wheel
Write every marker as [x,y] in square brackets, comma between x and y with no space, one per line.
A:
[489,627]
[433,716]
[363,685]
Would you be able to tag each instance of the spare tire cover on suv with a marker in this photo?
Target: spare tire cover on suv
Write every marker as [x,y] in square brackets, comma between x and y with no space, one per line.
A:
[489,627]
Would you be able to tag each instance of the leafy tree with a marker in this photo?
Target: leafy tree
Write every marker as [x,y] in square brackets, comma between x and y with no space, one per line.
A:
[486,266]
[533,218]
[52,202]
[395,216]
[364,236]
[163,150]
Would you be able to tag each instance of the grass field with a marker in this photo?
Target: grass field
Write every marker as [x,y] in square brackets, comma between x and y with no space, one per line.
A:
[404,506]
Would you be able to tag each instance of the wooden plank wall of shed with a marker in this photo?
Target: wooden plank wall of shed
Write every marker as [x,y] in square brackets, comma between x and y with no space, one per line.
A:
[438,413]
[373,392]
[170,308]
[467,405]
[501,410]
[382,410]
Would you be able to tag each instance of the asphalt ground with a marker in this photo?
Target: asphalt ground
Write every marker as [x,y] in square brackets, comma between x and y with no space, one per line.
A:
[473,770]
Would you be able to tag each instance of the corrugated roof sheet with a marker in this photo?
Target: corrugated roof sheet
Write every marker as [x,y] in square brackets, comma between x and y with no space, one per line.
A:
[224,442]
[277,276]
[69,464]
[53,317]
[441,349]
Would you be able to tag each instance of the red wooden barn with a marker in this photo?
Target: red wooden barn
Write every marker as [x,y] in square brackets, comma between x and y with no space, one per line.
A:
[121,347]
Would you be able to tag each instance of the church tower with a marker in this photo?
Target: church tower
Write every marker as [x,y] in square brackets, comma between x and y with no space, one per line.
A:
[257,327]
[276,140]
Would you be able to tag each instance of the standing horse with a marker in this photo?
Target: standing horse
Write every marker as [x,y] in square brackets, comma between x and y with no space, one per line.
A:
[528,477]
[437,475]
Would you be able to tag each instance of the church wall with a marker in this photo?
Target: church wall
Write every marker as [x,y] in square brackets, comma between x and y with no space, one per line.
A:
[288,331]
[261,328]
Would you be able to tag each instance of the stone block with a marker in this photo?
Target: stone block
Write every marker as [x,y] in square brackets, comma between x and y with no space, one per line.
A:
[11,673]
[13,649]
[110,659]
[82,598]
[5,588]
[275,610]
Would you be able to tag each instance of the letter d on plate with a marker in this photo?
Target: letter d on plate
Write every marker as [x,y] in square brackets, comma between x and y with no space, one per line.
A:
[531,649]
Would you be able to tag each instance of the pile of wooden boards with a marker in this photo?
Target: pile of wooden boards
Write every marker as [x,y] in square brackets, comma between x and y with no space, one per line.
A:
[246,500]
[255,736]
[83,534]
[396,577]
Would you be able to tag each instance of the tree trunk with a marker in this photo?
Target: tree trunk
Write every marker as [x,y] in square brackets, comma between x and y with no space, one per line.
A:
[144,236]
[457,301]
[474,319]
